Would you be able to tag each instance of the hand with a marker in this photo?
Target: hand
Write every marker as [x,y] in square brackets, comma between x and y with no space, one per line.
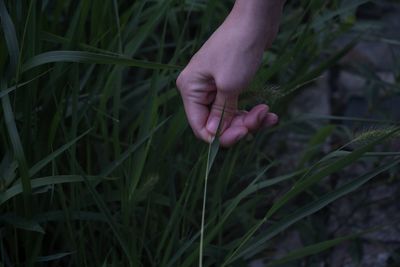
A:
[218,72]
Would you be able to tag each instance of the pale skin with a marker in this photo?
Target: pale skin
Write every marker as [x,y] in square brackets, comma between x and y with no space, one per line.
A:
[223,67]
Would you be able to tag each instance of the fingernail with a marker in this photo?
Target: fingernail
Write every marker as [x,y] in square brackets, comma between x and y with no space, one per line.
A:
[262,115]
[271,119]
[212,125]
[274,118]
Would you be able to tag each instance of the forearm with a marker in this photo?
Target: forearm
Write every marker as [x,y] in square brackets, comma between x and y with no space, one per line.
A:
[261,17]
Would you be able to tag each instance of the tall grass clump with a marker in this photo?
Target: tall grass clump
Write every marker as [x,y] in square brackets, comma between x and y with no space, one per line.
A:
[98,166]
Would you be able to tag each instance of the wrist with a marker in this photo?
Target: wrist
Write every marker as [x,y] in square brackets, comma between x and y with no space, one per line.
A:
[260,17]
[257,8]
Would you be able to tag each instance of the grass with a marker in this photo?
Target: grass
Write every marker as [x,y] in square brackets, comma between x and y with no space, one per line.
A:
[98,166]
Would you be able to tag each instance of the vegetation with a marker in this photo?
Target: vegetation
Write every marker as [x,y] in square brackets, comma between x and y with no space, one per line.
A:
[99,167]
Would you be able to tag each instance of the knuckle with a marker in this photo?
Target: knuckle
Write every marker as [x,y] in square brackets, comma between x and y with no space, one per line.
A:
[226,85]
[182,81]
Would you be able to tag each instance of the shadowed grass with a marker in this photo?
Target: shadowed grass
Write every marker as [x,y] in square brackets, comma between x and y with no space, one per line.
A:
[98,166]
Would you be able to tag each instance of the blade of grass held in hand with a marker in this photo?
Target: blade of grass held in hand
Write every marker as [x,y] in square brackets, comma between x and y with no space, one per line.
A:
[212,153]
[233,204]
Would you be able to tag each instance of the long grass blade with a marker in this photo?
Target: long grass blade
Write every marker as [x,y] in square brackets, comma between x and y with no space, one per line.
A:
[313,207]
[110,219]
[21,223]
[41,164]
[109,169]
[10,37]
[313,249]
[306,182]
[91,58]
[41,182]
[53,257]
[212,153]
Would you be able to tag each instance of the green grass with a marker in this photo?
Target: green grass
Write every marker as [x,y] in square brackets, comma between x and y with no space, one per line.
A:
[98,166]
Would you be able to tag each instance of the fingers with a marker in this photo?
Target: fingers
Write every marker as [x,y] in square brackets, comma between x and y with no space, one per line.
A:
[196,99]
[232,135]
[270,120]
[222,104]
[204,106]
[197,115]
[255,117]
[246,122]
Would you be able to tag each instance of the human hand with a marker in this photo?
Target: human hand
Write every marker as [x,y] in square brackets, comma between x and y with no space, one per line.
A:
[219,71]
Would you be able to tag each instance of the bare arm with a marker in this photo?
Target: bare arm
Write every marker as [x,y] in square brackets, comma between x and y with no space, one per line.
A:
[224,66]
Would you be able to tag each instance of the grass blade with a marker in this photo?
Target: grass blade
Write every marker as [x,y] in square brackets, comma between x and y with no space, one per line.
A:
[91,58]
[53,257]
[40,182]
[110,219]
[10,36]
[107,171]
[313,249]
[22,223]
[307,181]
[41,164]
[212,153]
[17,149]
[313,207]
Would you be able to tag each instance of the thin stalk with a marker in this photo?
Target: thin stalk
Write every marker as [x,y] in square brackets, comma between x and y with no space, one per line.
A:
[204,206]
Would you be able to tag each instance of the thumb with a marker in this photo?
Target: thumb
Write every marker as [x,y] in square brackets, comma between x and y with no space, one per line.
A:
[223,103]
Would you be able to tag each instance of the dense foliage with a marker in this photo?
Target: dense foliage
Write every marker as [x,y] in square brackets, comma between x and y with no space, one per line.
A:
[99,167]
